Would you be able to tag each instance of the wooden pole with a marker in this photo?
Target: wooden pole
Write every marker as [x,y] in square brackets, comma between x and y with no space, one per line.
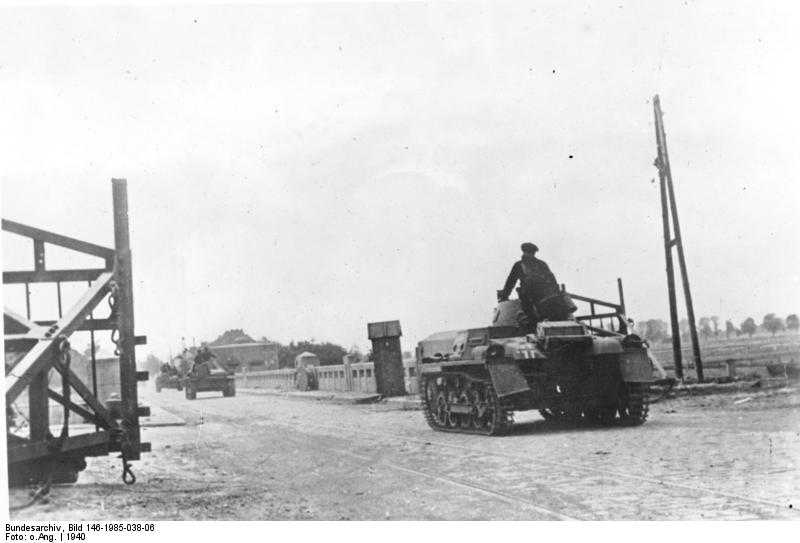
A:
[127,342]
[668,193]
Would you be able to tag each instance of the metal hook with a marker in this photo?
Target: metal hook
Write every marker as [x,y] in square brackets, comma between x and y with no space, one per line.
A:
[127,474]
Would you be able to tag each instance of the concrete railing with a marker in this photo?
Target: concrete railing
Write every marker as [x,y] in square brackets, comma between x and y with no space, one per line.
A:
[358,377]
[283,379]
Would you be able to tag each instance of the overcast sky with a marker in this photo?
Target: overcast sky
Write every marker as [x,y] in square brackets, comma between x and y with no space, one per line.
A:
[298,171]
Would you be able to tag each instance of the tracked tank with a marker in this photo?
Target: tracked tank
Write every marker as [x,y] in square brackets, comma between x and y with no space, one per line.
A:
[473,380]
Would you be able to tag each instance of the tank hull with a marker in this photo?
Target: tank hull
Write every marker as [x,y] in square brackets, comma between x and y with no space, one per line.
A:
[563,371]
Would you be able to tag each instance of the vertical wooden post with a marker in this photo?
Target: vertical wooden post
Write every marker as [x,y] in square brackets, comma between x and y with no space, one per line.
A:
[58,295]
[38,255]
[38,406]
[127,342]
[28,300]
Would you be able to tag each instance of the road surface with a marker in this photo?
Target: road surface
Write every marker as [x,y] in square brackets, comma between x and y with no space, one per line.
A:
[265,457]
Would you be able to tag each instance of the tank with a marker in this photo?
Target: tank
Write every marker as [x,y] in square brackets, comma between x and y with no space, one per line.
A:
[209,377]
[473,380]
[168,377]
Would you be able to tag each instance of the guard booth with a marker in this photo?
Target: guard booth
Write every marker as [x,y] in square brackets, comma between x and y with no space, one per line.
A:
[387,357]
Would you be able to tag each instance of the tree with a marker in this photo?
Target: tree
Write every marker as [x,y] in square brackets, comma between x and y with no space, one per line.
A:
[683,326]
[235,335]
[87,351]
[772,323]
[153,365]
[792,322]
[729,329]
[328,353]
[715,321]
[655,330]
[705,326]
[749,326]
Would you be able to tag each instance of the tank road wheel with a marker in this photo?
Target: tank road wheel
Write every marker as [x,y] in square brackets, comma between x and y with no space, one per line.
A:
[496,420]
[441,413]
[465,420]
[429,393]
[633,407]
[486,415]
[478,409]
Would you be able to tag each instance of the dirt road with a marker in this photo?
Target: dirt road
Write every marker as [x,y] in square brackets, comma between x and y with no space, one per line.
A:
[260,457]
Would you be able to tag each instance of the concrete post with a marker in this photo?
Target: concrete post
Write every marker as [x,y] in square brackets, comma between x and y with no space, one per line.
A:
[731,368]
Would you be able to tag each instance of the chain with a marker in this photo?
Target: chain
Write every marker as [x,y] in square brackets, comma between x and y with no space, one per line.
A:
[127,473]
[113,305]
[64,360]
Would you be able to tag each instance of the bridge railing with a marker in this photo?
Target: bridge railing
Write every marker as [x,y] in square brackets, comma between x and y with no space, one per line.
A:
[357,377]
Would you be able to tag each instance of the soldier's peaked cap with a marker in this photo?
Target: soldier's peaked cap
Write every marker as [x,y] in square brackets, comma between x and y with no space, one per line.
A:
[529,247]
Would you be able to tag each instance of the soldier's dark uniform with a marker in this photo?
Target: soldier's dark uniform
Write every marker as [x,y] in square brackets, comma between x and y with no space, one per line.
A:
[537,283]
[201,361]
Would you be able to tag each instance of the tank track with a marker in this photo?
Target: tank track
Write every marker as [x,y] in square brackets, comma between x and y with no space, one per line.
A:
[634,411]
[480,411]
[486,413]
[631,410]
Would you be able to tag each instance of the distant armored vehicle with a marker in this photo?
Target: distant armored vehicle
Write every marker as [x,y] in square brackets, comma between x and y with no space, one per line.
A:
[472,380]
[207,376]
[168,377]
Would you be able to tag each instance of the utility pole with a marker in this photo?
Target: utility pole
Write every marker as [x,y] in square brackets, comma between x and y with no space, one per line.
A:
[672,238]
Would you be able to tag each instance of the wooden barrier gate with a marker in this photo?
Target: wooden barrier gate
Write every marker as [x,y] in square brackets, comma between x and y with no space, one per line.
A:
[33,348]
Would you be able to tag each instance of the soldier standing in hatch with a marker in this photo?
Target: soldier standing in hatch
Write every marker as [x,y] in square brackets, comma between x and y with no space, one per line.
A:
[202,359]
[537,283]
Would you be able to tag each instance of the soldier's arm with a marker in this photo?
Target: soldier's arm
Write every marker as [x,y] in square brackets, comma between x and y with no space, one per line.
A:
[513,277]
[549,274]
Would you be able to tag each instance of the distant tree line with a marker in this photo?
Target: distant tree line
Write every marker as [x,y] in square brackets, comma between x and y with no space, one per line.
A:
[657,330]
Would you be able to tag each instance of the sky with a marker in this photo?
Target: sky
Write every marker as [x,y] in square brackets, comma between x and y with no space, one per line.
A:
[299,170]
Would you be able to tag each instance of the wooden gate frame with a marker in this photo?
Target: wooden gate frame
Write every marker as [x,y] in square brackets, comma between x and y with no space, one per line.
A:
[42,343]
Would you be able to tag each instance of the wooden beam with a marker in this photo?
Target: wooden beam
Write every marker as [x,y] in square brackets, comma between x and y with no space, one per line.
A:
[91,400]
[88,324]
[127,337]
[51,276]
[86,414]
[38,449]
[38,255]
[57,239]
[40,355]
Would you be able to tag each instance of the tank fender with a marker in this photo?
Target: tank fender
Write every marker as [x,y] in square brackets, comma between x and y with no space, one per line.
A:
[635,366]
[606,345]
[504,372]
